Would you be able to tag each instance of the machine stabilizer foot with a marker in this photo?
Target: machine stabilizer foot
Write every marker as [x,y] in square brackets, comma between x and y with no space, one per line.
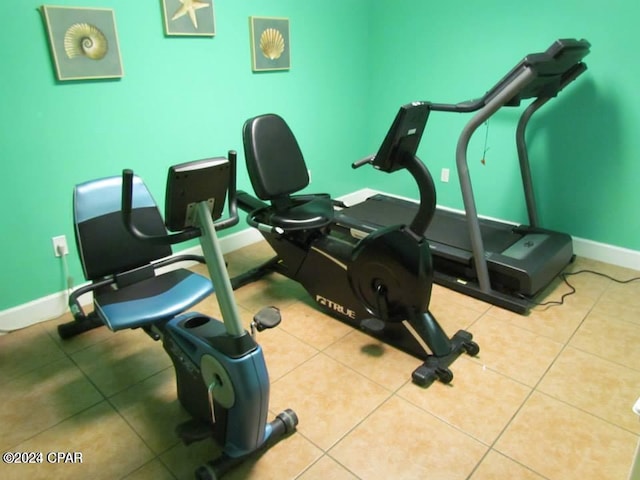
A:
[437,368]
[194,431]
[255,274]
[76,327]
[281,426]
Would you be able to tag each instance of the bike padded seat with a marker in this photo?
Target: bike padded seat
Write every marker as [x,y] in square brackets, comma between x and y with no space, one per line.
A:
[277,170]
[138,296]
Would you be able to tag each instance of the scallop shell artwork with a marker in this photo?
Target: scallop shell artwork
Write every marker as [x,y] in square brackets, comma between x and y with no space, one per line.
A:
[84,39]
[272,43]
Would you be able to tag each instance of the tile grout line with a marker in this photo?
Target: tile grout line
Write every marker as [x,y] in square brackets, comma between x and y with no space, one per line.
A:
[534,389]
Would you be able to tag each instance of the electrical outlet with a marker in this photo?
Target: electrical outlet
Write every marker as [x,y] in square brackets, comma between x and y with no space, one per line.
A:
[60,245]
[444,175]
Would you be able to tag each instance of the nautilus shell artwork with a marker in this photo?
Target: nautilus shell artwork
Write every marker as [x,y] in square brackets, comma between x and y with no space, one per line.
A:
[272,43]
[84,39]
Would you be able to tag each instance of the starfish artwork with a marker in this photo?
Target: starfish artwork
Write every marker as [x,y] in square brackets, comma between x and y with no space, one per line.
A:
[189,7]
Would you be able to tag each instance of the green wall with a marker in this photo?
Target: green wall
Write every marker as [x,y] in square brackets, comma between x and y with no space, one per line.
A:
[583,145]
[353,63]
[180,99]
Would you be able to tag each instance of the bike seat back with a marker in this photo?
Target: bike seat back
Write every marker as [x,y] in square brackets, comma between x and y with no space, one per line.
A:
[128,291]
[277,170]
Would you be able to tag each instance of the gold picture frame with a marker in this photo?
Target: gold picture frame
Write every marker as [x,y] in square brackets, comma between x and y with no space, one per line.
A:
[270,44]
[189,17]
[84,42]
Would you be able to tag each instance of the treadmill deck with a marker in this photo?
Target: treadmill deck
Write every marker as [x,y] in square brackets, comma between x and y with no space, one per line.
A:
[521,260]
[446,228]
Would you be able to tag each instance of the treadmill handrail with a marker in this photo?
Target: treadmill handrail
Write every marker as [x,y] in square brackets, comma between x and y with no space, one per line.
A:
[538,62]
[524,77]
[521,145]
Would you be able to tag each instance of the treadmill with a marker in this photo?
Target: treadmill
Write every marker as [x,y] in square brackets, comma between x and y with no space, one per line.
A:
[503,264]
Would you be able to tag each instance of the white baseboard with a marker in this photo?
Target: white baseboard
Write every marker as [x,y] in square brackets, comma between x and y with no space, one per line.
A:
[622,257]
[602,252]
[33,312]
[357,196]
[54,305]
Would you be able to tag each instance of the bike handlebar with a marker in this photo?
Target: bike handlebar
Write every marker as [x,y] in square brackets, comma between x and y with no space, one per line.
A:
[363,161]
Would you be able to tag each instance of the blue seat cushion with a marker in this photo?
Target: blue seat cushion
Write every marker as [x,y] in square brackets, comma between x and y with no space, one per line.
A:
[152,300]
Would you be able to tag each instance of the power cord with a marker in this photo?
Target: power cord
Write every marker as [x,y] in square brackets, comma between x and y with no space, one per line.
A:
[563,276]
[486,141]
[62,253]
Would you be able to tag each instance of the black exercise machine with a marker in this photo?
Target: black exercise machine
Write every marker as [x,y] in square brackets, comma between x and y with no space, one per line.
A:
[382,283]
[500,263]
[222,379]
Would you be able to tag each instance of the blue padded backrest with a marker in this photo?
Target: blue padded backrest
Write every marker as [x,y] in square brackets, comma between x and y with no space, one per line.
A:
[96,198]
[104,245]
[275,162]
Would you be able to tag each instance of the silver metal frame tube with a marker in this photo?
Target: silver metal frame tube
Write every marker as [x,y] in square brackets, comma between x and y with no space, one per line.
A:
[523,158]
[221,283]
[522,78]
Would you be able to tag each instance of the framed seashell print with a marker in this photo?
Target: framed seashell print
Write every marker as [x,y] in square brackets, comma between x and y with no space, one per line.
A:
[189,17]
[84,42]
[270,45]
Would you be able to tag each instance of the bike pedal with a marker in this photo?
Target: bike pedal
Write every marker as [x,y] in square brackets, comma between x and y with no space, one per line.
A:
[268,317]
[372,325]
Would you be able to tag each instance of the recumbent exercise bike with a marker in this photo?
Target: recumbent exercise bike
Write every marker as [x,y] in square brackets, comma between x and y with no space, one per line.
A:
[380,283]
[222,378]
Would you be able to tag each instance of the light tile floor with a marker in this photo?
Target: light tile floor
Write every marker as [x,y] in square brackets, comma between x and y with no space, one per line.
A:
[548,397]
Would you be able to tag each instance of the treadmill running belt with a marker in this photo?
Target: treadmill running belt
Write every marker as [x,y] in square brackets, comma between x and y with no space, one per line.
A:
[447,228]
[451,229]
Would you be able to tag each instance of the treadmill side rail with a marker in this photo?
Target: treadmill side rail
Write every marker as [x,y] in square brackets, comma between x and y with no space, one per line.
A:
[533,264]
